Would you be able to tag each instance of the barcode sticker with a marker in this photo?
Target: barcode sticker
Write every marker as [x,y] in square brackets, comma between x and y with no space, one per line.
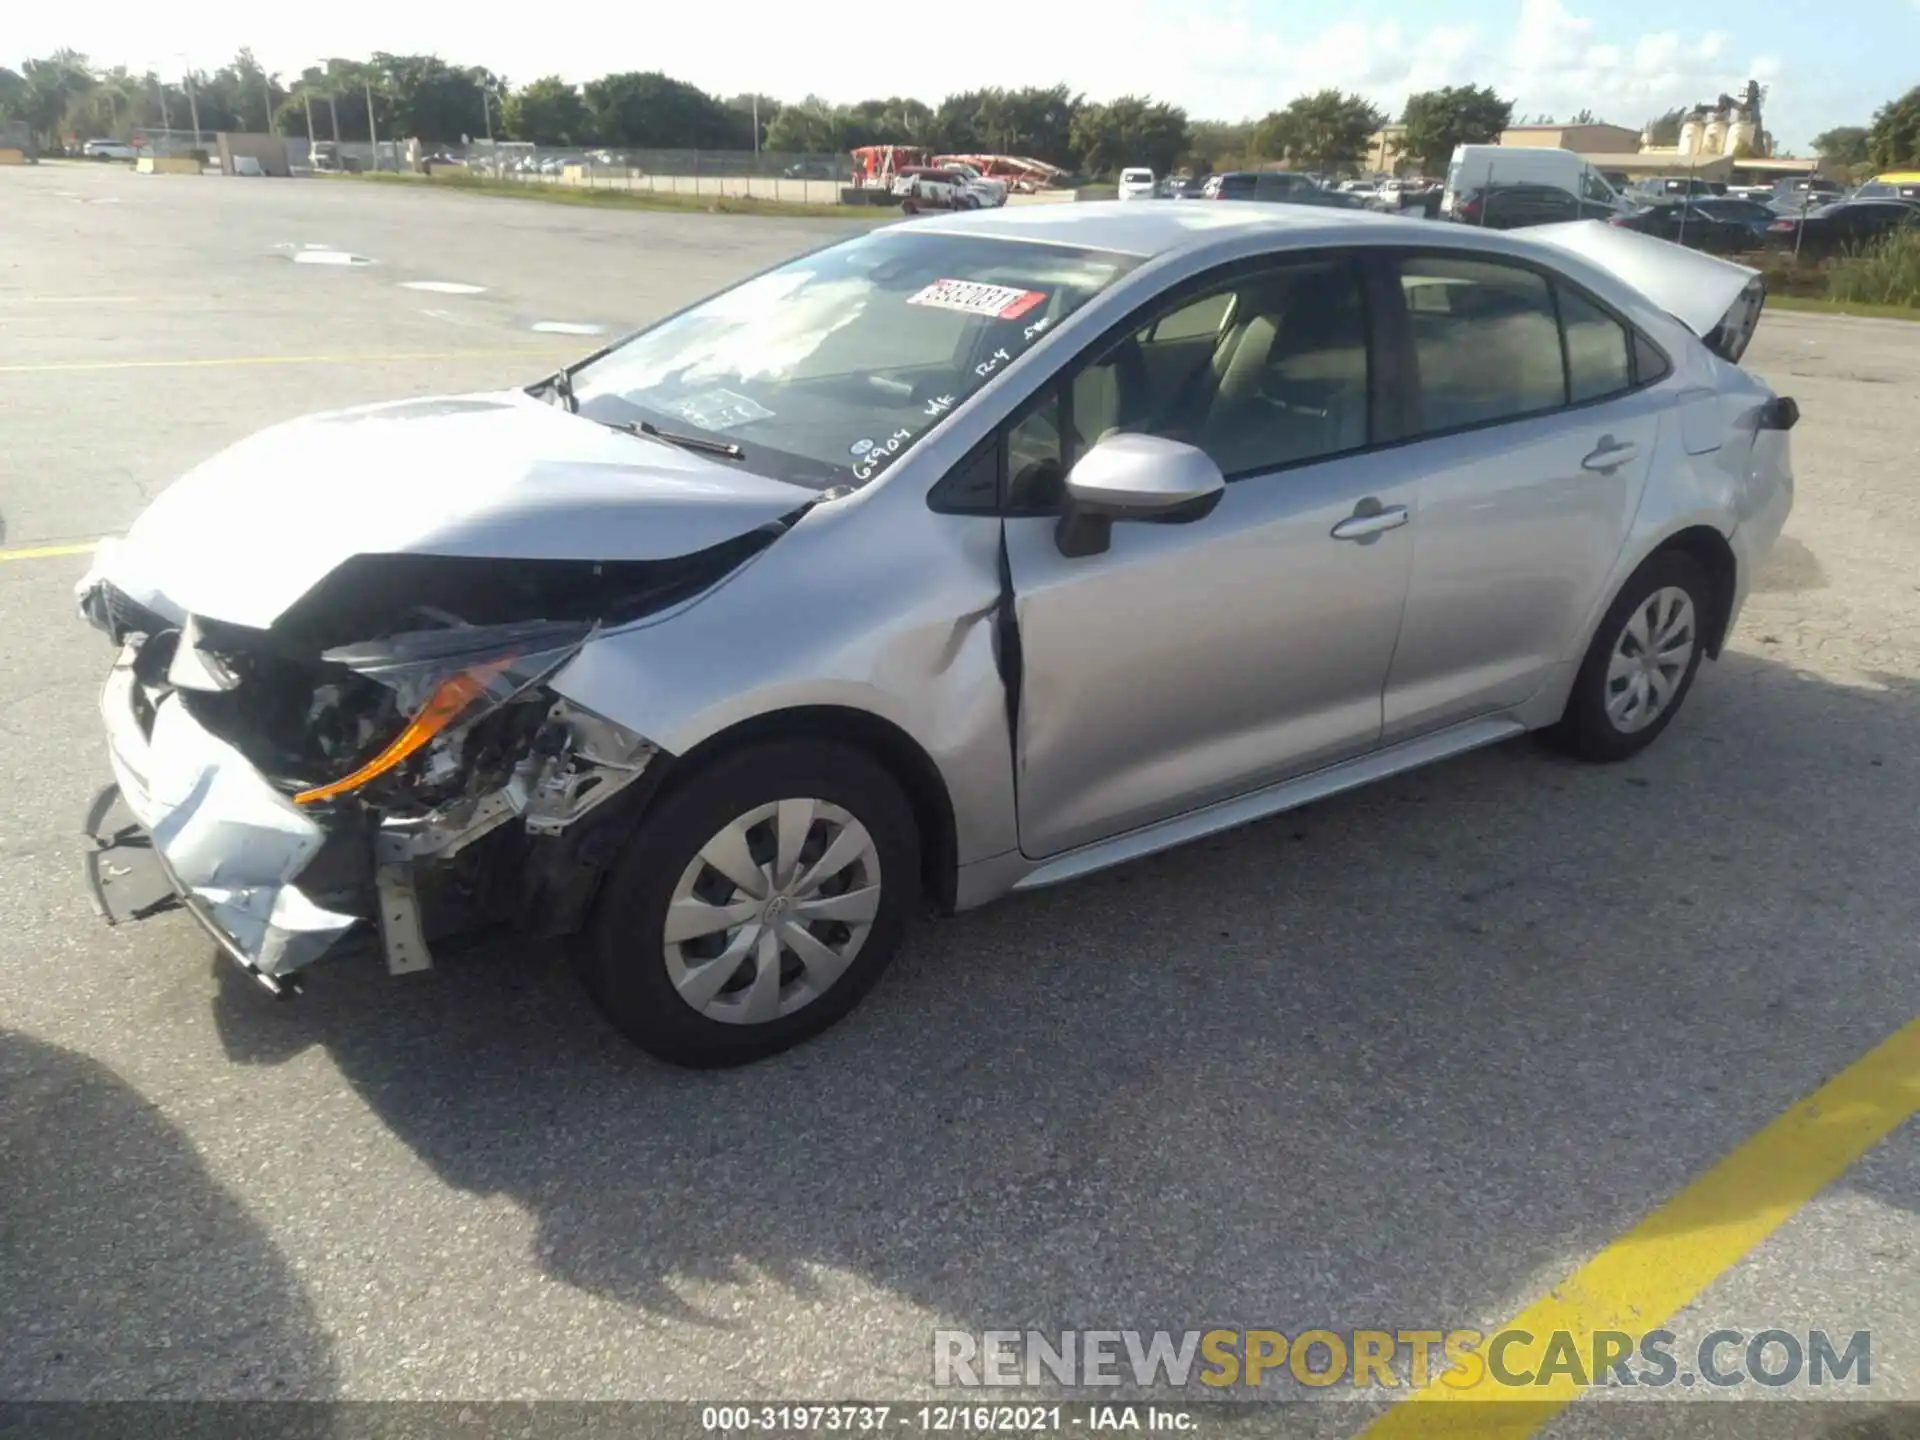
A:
[996,302]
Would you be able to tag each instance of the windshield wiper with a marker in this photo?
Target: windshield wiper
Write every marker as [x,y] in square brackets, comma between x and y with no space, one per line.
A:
[560,386]
[697,443]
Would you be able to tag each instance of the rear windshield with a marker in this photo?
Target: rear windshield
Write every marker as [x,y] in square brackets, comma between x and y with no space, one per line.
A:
[826,370]
[1135,177]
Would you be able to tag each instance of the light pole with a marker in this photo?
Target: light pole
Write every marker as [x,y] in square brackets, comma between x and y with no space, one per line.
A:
[373,135]
[193,108]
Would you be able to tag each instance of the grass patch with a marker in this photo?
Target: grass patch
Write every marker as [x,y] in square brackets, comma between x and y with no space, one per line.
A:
[1827,305]
[1884,273]
[610,197]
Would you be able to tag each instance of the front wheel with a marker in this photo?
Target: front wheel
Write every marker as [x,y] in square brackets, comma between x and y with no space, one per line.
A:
[1641,663]
[757,904]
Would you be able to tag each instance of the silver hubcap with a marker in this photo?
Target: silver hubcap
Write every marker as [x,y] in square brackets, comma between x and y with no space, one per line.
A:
[1650,659]
[772,911]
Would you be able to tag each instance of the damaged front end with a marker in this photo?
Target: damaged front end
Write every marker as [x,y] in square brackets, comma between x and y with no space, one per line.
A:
[293,784]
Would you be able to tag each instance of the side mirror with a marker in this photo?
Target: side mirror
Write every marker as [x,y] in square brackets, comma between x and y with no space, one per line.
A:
[1134,477]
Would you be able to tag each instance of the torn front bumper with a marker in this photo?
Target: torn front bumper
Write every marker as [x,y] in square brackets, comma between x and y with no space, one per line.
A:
[227,844]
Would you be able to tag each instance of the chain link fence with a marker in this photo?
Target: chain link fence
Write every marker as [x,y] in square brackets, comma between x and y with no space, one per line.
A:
[737,174]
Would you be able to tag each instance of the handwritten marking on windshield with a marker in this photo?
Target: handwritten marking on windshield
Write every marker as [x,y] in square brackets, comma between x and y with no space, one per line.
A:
[881,452]
[992,363]
[939,405]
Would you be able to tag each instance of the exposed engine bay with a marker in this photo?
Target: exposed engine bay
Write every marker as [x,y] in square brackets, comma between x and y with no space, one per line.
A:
[301,781]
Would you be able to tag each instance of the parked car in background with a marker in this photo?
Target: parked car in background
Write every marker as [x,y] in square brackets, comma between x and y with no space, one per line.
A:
[1514,207]
[1286,187]
[929,187]
[958,558]
[989,192]
[1137,184]
[1830,229]
[110,150]
[1718,223]
[1805,193]
[1895,185]
[1660,187]
[1478,168]
[1182,187]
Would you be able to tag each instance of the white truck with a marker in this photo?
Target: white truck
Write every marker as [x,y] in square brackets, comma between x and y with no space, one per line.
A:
[1485,167]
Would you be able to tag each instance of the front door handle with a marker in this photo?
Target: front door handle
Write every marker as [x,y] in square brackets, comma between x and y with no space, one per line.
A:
[1370,518]
[1609,454]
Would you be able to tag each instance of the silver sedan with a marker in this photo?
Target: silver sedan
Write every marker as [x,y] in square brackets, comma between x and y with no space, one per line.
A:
[969,555]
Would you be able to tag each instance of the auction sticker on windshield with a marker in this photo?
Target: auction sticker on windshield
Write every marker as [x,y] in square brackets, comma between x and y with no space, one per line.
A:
[721,410]
[971,297]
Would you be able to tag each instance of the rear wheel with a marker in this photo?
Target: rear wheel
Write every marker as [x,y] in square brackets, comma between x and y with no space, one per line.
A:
[1641,663]
[757,904]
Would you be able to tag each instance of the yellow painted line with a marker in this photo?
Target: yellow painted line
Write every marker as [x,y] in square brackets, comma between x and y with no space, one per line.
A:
[225,360]
[1656,1269]
[48,552]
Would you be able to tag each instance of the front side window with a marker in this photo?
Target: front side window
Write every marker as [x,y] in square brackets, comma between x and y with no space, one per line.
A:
[1486,341]
[828,369]
[1268,370]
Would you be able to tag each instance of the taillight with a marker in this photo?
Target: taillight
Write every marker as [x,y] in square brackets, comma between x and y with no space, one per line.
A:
[1781,225]
[1619,220]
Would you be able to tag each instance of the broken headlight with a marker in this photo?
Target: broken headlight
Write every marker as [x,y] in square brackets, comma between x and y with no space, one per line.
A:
[444,681]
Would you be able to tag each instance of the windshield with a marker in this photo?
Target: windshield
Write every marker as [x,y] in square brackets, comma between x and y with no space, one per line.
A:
[828,369]
[1136,177]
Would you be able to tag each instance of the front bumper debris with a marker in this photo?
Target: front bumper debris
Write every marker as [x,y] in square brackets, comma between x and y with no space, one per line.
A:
[128,879]
[191,823]
[227,844]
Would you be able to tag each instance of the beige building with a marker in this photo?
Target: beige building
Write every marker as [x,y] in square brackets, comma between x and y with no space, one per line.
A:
[1386,148]
[1610,139]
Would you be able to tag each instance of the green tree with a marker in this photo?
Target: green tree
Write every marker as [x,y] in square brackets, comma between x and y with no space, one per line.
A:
[1438,120]
[1132,130]
[427,99]
[811,127]
[743,106]
[1665,131]
[548,111]
[1844,144]
[1324,132]
[654,110]
[52,86]
[1893,140]
[1218,145]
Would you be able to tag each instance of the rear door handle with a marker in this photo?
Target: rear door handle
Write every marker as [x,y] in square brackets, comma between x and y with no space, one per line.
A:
[1609,454]
[1370,521]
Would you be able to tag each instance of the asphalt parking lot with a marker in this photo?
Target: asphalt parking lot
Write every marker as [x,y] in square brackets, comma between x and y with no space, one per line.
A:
[1406,1059]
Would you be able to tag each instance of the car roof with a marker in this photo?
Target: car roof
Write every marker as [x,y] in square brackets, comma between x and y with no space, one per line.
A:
[1150,231]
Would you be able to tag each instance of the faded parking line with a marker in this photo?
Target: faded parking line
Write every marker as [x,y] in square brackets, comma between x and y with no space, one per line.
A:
[1664,1263]
[48,552]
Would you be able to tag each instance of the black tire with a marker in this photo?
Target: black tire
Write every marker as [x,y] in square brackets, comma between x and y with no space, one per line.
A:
[1585,729]
[622,957]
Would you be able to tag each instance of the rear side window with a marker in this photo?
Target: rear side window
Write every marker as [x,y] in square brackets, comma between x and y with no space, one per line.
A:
[1485,339]
[1598,350]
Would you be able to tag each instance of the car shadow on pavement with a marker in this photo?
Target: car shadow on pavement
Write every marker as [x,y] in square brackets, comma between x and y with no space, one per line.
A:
[124,1263]
[1398,1060]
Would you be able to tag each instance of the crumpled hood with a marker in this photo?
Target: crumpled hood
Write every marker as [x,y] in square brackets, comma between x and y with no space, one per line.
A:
[490,476]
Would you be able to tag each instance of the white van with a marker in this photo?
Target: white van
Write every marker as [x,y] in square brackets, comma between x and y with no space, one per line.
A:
[1477,167]
[1137,184]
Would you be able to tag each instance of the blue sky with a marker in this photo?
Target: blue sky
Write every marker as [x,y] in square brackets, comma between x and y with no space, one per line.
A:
[1627,60]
